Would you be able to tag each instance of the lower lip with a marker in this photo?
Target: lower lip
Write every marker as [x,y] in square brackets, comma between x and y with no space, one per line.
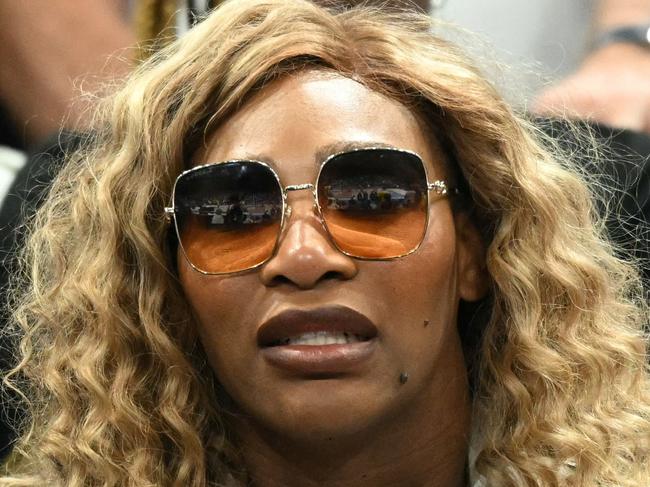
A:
[320,359]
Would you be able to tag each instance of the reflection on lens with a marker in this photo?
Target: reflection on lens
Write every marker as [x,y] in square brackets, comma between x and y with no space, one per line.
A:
[228,215]
[374,202]
[217,250]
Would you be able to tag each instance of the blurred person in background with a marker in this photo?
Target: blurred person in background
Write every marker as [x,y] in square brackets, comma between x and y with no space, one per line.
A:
[49,51]
[611,84]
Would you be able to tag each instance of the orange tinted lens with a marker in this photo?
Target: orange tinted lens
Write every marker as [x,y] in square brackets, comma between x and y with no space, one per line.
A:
[228,215]
[374,202]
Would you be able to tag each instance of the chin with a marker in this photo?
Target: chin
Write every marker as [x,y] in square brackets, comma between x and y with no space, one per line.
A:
[321,410]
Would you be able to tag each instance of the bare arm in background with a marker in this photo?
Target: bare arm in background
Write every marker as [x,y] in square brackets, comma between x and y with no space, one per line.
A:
[612,85]
[49,48]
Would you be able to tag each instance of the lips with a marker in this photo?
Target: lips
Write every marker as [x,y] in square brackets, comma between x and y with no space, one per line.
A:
[335,319]
[283,340]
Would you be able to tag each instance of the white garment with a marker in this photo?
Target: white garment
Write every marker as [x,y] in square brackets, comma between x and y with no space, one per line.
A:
[10,163]
[541,40]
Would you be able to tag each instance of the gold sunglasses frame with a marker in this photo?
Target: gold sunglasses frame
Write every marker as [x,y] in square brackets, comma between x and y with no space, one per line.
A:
[439,186]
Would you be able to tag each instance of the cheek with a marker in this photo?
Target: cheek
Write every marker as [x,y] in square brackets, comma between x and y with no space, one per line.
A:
[422,287]
[220,305]
[428,275]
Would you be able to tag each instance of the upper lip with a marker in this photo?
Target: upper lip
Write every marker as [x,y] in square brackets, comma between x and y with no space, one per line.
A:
[295,322]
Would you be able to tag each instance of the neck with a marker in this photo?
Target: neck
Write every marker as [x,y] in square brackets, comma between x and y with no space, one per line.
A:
[343,465]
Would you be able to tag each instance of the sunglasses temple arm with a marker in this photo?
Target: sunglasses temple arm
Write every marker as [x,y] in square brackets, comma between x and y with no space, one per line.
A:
[440,187]
[169,213]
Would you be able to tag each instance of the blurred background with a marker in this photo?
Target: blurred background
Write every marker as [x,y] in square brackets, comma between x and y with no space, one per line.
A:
[53,52]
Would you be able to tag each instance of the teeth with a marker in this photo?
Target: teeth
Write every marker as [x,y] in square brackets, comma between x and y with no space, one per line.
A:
[322,338]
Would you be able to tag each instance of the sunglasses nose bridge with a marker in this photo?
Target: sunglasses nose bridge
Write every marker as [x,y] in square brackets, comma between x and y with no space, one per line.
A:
[301,187]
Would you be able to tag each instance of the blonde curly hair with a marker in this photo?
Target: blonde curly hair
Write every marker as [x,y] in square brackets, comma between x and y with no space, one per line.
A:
[117,385]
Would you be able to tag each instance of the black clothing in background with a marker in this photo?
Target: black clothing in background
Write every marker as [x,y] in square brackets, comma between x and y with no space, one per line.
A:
[9,132]
[628,170]
[25,196]
[624,172]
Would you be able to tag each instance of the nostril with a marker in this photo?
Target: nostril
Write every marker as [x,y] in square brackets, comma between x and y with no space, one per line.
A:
[332,275]
[280,279]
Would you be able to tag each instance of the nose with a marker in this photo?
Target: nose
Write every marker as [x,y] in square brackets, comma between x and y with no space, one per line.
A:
[305,256]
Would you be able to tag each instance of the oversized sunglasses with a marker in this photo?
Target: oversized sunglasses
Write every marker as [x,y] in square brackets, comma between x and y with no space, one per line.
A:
[373,204]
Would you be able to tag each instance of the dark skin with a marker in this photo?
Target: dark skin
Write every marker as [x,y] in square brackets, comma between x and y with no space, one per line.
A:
[363,427]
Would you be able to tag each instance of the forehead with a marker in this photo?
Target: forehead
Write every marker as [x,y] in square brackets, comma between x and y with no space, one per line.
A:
[296,122]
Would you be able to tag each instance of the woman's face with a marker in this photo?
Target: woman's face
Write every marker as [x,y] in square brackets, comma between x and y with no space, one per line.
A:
[406,306]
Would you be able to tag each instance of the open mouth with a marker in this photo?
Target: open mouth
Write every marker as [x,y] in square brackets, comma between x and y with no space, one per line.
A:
[331,325]
[326,342]
[324,337]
